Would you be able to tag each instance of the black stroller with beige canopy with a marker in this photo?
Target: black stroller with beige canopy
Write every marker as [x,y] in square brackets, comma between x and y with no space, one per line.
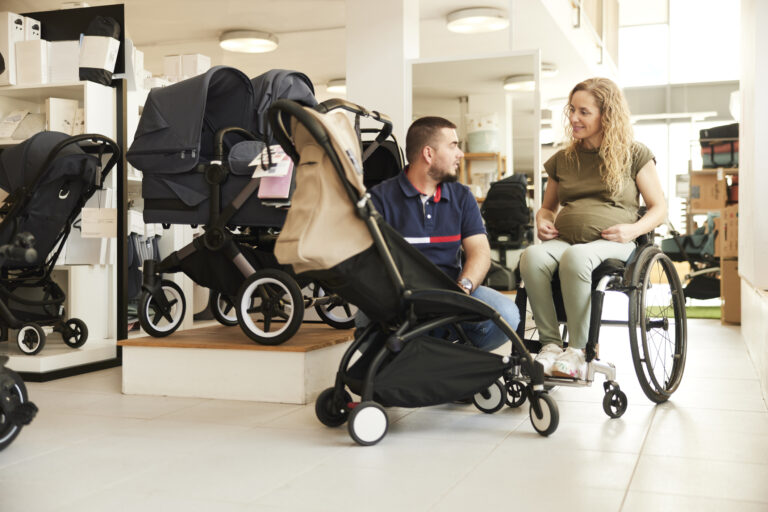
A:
[334,234]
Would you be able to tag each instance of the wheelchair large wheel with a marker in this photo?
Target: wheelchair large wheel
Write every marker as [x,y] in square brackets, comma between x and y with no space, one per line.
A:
[270,307]
[222,308]
[657,325]
[12,387]
[336,312]
[161,314]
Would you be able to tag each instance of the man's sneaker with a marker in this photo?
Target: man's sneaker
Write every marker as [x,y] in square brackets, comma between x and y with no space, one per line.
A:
[547,356]
[571,363]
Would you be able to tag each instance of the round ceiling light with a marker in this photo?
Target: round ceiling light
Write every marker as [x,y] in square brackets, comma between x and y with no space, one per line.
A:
[248,41]
[477,20]
[337,86]
[519,83]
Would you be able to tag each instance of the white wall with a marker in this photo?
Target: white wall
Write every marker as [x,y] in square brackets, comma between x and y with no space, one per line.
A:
[753,183]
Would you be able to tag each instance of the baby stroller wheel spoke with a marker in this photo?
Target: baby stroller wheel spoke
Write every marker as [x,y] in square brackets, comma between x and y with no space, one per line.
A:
[75,333]
[329,312]
[222,308]
[276,296]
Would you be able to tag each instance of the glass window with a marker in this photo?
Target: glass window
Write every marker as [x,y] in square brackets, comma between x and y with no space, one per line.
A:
[643,55]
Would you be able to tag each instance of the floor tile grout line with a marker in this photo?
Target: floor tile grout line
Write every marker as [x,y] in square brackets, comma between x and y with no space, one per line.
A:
[637,462]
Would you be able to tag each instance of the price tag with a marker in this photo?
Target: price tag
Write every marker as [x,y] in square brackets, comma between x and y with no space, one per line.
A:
[99,223]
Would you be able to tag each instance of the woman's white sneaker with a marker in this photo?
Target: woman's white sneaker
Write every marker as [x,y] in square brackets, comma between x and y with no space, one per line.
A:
[547,356]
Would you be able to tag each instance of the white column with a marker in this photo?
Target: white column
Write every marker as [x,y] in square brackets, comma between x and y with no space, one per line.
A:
[381,37]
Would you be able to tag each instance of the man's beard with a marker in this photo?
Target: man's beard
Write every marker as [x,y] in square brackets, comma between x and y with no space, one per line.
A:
[442,176]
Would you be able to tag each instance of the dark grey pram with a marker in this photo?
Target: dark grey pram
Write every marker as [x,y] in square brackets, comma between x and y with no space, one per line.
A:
[49,177]
[194,143]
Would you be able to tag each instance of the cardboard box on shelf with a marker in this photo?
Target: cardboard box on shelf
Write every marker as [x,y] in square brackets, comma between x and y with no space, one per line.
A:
[172,66]
[194,64]
[64,62]
[709,191]
[11,31]
[32,62]
[730,291]
[730,239]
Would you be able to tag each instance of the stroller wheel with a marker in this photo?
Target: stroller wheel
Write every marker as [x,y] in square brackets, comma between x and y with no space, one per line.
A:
[336,312]
[368,423]
[490,400]
[12,387]
[161,315]
[330,414]
[223,308]
[31,339]
[516,393]
[270,306]
[74,333]
[550,416]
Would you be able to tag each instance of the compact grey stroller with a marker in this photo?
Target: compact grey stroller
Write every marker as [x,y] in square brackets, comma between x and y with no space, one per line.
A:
[194,144]
[49,177]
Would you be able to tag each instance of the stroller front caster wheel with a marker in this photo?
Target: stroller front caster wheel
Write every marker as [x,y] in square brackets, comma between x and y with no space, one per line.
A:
[222,308]
[329,413]
[74,333]
[270,307]
[336,312]
[490,400]
[516,393]
[615,403]
[547,422]
[161,313]
[30,339]
[368,423]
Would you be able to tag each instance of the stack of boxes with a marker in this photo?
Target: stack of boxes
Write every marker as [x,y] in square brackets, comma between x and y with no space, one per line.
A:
[716,190]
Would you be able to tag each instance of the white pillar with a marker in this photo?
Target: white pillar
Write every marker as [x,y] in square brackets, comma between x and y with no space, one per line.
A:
[381,37]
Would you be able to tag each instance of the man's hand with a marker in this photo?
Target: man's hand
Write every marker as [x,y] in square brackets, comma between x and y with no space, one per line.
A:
[621,233]
[546,230]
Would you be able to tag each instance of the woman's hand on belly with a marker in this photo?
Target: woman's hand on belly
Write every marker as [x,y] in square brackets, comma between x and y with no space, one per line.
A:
[621,233]
[547,230]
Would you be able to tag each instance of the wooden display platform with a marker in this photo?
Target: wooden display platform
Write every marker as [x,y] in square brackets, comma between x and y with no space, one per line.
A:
[222,362]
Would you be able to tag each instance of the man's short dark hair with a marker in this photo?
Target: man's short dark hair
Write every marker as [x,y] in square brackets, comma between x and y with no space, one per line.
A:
[422,133]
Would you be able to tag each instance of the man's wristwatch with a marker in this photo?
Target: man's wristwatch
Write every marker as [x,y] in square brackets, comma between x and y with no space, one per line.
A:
[467,284]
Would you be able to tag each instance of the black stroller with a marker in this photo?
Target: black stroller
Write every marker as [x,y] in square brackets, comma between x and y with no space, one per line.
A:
[49,177]
[334,234]
[16,410]
[194,144]
[698,250]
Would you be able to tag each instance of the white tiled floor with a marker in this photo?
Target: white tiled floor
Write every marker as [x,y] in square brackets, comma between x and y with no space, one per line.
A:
[93,449]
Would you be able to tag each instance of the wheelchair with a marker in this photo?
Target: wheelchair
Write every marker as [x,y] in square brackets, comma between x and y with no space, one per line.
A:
[656,321]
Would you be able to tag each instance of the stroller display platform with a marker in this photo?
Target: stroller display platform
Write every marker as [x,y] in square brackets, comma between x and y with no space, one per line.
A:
[194,144]
[50,176]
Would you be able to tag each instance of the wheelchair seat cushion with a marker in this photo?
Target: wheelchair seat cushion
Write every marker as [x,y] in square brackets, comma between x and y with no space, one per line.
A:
[609,267]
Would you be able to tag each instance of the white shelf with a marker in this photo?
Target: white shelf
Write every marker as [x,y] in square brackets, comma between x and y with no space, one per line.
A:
[38,92]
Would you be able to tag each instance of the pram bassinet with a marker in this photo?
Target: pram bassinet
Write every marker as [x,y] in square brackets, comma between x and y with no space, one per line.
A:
[175,140]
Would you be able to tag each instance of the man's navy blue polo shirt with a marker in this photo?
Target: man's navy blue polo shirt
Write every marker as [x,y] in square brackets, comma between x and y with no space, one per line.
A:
[437,227]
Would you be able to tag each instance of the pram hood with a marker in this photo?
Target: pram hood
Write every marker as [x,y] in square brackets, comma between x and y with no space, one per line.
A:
[169,138]
[274,85]
[20,164]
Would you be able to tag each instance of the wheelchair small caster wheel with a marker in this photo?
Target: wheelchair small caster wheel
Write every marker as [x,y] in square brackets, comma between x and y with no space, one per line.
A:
[368,423]
[516,393]
[615,403]
[330,414]
[491,399]
[546,422]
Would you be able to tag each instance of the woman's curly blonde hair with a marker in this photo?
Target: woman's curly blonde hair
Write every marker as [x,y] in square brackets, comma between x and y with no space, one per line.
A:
[616,147]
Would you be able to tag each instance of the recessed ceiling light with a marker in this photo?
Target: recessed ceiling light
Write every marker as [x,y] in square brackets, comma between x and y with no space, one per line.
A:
[248,41]
[476,20]
[337,86]
[519,83]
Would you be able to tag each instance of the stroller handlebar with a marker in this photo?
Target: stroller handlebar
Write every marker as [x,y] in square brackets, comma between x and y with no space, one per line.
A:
[336,103]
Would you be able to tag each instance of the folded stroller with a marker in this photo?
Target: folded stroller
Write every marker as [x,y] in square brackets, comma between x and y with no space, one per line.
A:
[334,235]
[194,144]
[49,178]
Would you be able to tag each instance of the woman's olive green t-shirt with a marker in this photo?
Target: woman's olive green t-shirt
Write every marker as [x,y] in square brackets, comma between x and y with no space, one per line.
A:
[587,205]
